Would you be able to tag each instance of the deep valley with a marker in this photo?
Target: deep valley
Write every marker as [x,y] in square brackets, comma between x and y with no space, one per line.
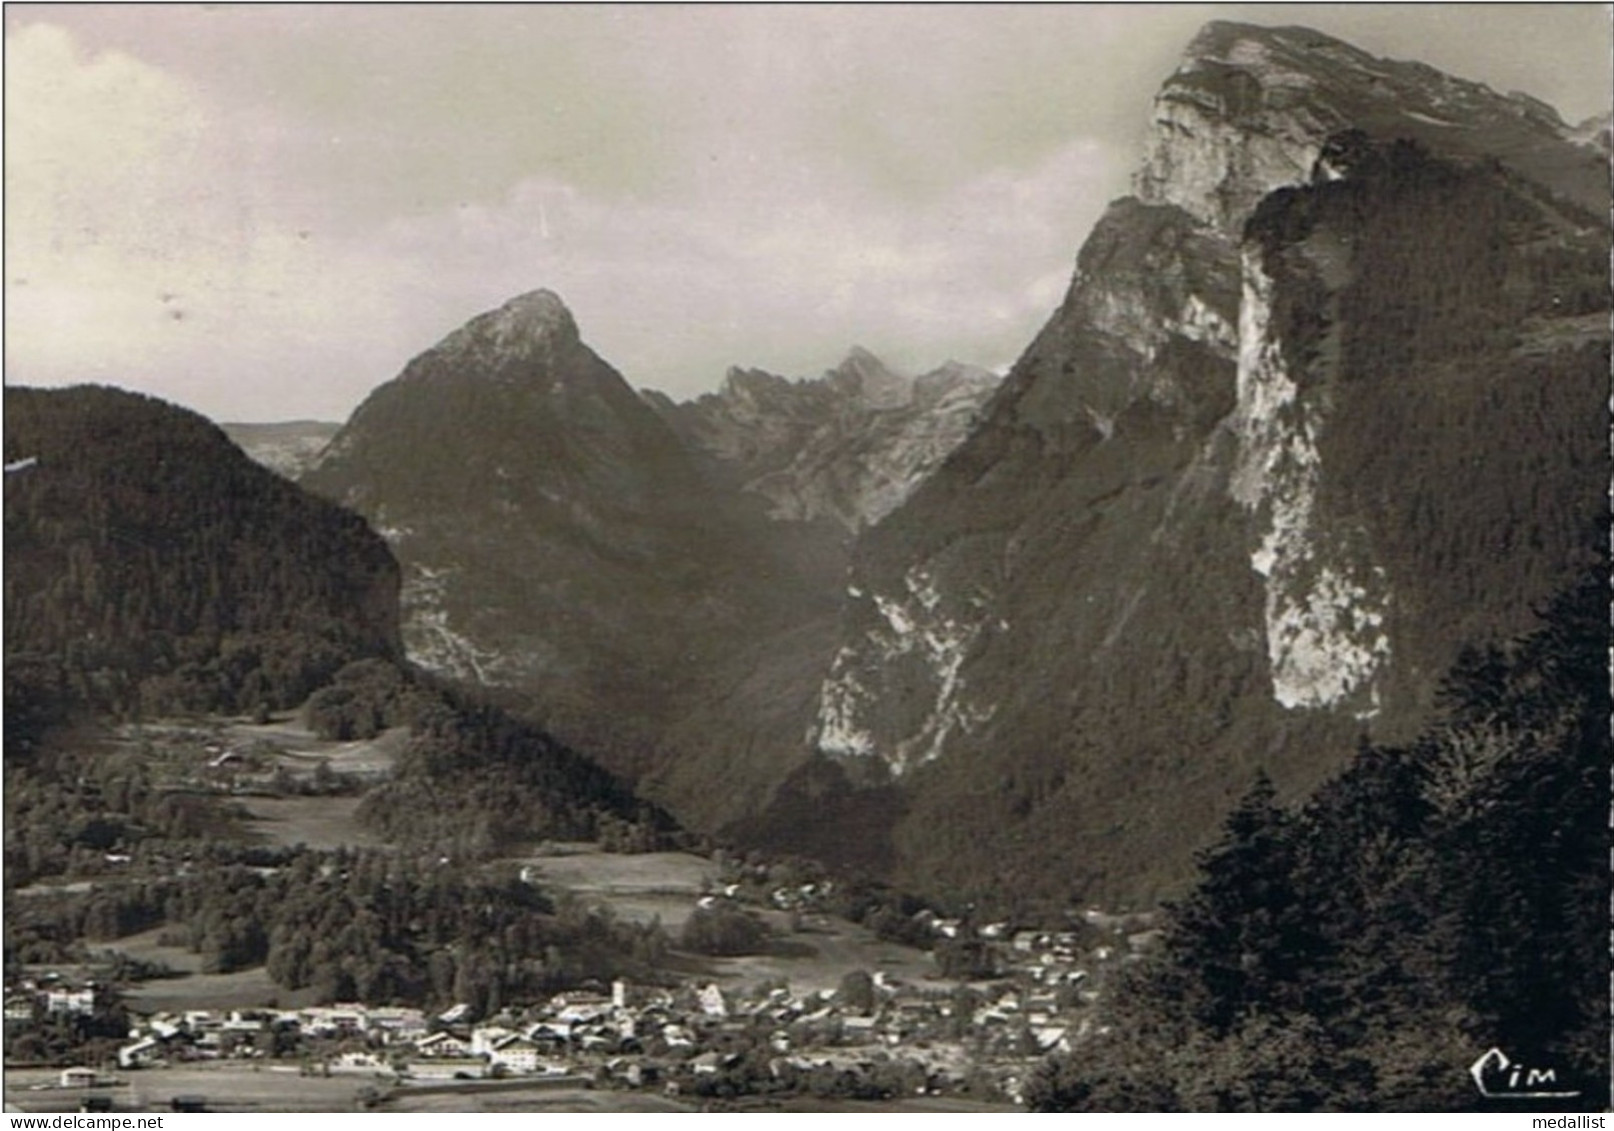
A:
[1208,712]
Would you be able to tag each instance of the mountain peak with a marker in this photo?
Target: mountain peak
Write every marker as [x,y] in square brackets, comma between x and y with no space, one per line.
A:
[536,314]
[741,383]
[537,321]
[1250,109]
[1220,37]
[877,383]
[954,370]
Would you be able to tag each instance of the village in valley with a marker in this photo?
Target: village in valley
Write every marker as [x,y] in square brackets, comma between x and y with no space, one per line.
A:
[968,1033]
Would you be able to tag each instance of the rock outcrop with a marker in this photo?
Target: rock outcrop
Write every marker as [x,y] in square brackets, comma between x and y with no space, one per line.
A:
[847,447]
[1323,406]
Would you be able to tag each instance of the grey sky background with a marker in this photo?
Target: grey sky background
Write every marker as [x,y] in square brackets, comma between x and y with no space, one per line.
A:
[263,212]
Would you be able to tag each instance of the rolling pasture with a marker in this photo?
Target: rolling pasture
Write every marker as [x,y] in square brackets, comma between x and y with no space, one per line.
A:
[667,884]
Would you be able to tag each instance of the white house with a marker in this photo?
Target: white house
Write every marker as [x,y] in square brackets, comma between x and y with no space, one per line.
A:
[445,1045]
[519,1055]
[711,1000]
[398,1024]
[484,1038]
[70,1003]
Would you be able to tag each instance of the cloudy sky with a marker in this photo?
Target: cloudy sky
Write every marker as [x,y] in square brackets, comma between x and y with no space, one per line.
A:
[263,212]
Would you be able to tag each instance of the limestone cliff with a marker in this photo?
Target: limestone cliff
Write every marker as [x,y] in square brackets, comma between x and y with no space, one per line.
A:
[1320,409]
[847,447]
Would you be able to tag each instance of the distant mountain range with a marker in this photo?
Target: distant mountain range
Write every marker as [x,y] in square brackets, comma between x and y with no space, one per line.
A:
[1325,404]
[559,539]
[1322,407]
[1323,411]
[287,447]
[849,446]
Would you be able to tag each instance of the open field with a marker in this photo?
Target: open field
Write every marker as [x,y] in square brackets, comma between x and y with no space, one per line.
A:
[300,749]
[819,956]
[318,822]
[145,945]
[196,990]
[537,1099]
[228,1087]
[666,884]
[638,888]
[241,990]
[223,753]
[45,887]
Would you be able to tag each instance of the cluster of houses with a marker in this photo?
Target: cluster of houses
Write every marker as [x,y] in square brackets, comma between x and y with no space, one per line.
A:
[645,1036]
[631,1037]
[206,1034]
[32,999]
[1053,958]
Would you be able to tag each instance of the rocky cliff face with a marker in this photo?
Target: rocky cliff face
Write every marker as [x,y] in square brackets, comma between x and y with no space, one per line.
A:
[1324,405]
[1250,109]
[1321,407]
[847,447]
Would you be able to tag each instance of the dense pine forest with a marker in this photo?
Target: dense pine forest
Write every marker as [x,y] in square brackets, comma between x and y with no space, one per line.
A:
[476,779]
[1435,900]
[472,780]
[373,926]
[151,567]
[1465,358]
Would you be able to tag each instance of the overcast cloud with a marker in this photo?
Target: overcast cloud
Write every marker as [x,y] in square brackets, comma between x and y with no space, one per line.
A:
[264,212]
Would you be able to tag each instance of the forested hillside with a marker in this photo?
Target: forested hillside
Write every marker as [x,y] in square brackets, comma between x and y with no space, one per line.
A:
[151,567]
[1433,901]
[1184,548]
[1455,384]
[378,927]
[474,778]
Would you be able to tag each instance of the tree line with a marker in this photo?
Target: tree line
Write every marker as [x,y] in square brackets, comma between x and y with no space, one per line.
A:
[1360,950]
[151,567]
[474,779]
[376,926]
